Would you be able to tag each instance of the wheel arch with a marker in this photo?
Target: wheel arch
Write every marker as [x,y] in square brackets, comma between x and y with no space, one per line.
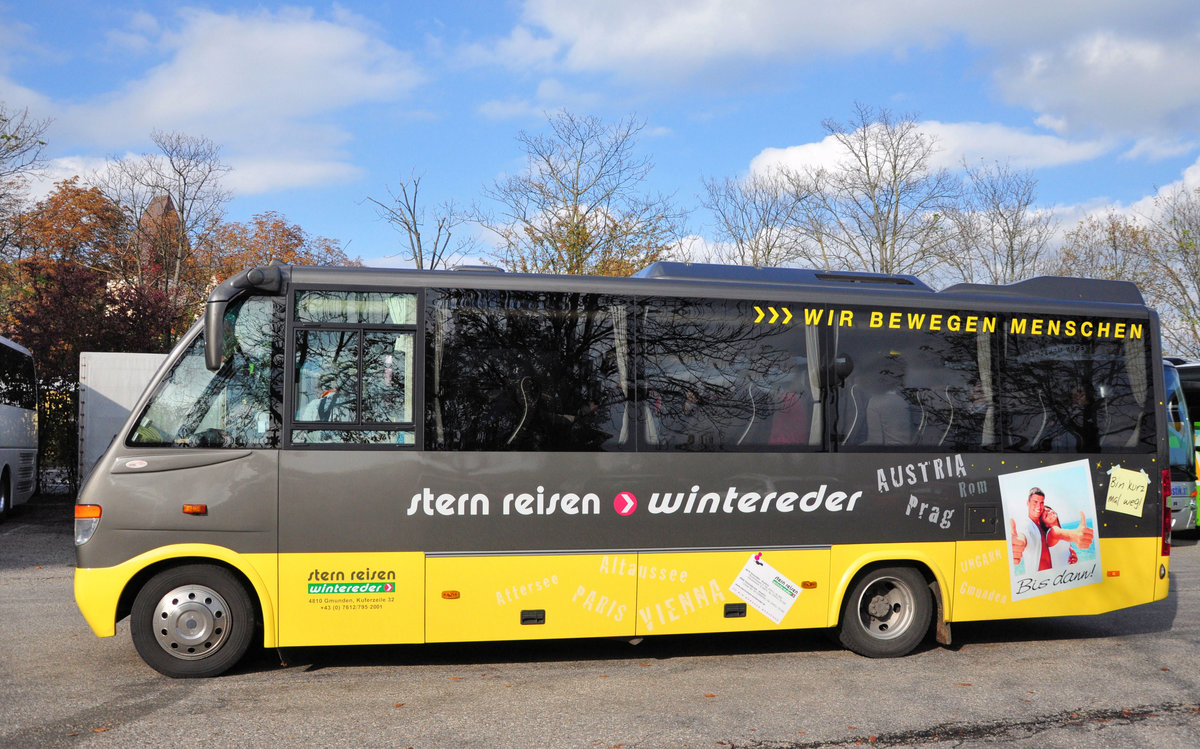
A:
[217,556]
[931,567]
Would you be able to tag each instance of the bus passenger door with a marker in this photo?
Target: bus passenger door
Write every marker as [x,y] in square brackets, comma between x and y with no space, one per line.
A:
[344,576]
[350,573]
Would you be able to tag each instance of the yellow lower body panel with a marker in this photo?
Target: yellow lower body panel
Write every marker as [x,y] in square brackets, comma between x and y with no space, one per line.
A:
[732,591]
[404,597]
[1124,573]
[530,597]
[623,595]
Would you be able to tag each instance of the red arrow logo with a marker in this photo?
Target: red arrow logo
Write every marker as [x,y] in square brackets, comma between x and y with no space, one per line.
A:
[625,503]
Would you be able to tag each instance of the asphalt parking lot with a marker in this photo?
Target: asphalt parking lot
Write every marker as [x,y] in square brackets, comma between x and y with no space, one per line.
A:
[1128,678]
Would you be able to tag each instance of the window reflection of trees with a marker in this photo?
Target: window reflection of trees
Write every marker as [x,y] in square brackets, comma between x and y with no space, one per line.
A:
[327,376]
[944,380]
[231,407]
[18,385]
[354,380]
[526,371]
[1076,394]
[713,376]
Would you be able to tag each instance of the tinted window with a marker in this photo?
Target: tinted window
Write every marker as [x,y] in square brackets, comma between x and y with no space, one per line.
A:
[1076,385]
[720,375]
[352,382]
[913,380]
[1179,425]
[18,384]
[510,370]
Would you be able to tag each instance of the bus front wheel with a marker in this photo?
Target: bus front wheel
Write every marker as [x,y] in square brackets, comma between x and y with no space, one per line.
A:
[192,621]
[887,613]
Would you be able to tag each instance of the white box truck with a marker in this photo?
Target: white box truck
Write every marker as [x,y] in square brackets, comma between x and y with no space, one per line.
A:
[110,384]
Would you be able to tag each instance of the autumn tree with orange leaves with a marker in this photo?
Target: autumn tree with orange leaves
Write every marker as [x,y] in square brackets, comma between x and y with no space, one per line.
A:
[266,238]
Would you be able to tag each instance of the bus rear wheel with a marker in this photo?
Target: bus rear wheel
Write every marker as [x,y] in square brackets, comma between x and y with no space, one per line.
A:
[192,621]
[887,613]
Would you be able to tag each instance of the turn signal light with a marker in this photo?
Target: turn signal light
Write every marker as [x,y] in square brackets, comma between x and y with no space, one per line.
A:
[195,509]
[87,517]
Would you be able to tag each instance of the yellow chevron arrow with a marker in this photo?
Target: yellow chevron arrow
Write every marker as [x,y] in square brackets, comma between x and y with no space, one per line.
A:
[774,315]
[787,315]
[760,313]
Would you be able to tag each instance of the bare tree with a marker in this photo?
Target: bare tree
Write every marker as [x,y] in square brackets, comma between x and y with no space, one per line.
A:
[407,216]
[174,197]
[1112,246]
[1175,259]
[881,209]
[578,206]
[21,148]
[757,218]
[996,233]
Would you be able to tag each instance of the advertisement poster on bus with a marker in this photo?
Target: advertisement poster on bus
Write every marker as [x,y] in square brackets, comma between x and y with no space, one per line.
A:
[1050,527]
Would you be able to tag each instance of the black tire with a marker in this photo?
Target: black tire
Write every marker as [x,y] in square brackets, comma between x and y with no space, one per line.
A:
[192,621]
[887,613]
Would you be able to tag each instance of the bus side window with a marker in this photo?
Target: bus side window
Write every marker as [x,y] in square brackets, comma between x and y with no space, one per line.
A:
[527,371]
[387,377]
[333,354]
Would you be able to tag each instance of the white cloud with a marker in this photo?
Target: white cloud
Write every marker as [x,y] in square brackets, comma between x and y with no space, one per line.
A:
[261,83]
[251,176]
[674,36]
[521,50]
[228,73]
[1102,66]
[956,142]
[994,142]
[509,109]
[1110,82]
[551,95]
[57,170]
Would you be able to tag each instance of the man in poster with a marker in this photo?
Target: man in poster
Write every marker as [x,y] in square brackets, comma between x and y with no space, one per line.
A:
[1046,556]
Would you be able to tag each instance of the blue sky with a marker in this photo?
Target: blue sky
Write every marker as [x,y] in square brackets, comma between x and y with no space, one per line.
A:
[318,106]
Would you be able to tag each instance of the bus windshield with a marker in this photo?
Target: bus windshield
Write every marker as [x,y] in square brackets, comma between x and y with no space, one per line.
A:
[1181,439]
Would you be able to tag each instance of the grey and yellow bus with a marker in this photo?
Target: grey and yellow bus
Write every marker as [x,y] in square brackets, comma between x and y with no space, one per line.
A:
[367,456]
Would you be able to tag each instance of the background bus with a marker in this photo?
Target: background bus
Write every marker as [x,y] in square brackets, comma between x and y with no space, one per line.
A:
[18,426]
[356,456]
[1181,435]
